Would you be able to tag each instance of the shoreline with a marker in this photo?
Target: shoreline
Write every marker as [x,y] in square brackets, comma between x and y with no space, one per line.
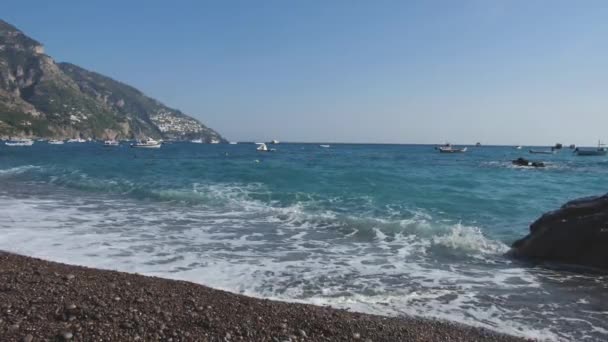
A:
[44,300]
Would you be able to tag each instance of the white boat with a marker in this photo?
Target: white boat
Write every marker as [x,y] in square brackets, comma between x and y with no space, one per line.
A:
[20,142]
[324,146]
[55,142]
[518,147]
[197,141]
[233,143]
[147,143]
[263,148]
[215,141]
[599,151]
[111,143]
[450,149]
[274,142]
[76,140]
[542,151]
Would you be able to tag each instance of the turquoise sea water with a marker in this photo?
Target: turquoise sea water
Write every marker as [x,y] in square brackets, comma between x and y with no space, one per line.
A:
[387,229]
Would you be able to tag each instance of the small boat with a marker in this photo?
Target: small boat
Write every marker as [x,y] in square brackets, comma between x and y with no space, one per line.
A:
[147,143]
[197,141]
[599,151]
[20,142]
[450,149]
[518,147]
[263,148]
[542,151]
[215,141]
[111,143]
[324,146]
[478,144]
[76,140]
[233,143]
[274,142]
[55,142]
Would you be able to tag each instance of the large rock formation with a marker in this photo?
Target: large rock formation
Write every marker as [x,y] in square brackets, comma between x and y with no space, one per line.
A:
[577,233]
[42,98]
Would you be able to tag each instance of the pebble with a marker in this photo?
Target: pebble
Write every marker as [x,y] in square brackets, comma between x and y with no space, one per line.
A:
[28,338]
[356,336]
[117,298]
[14,326]
[70,277]
[71,307]
[302,333]
[67,335]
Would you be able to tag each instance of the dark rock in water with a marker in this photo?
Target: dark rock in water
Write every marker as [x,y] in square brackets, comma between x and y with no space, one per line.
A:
[577,233]
[526,162]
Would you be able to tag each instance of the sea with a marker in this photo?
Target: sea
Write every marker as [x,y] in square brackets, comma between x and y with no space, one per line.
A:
[396,230]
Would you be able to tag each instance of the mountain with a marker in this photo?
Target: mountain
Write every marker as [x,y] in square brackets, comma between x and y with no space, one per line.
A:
[42,98]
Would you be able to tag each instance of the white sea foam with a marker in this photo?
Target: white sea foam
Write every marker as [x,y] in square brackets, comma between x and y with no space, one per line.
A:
[391,266]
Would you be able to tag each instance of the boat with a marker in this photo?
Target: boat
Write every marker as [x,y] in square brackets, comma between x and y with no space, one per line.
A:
[197,141]
[518,147]
[599,151]
[147,143]
[215,141]
[274,142]
[478,144]
[542,151]
[263,148]
[450,149]
[55,142]
[76,140]
[20,142]
[233,143]
[111,143]
[324,146]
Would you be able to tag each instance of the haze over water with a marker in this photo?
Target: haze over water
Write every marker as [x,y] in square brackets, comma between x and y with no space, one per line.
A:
[386,229]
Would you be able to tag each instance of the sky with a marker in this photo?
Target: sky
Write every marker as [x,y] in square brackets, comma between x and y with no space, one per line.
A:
[493,71]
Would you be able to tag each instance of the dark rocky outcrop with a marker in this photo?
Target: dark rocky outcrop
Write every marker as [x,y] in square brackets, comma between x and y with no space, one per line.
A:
[528,163]
[577,233]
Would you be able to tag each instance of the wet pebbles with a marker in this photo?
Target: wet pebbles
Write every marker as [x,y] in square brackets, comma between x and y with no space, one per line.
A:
[47,301]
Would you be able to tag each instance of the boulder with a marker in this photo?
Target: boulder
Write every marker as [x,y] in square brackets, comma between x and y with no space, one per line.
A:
[577,233]
[526,162]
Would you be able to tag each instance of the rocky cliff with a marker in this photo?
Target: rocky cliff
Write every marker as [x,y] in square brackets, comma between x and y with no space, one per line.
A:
[577,233]
[42,98]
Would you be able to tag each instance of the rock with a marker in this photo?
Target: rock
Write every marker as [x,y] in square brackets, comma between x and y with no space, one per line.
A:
[356,336]
[28,338]
[69,277]
[70,307]
[528,163]
[14,326]
[303,333]
[577,233]
[67,335]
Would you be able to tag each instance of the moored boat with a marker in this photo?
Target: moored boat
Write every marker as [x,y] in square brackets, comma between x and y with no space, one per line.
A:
[147,143]
[599,151]
[20,142]
[111,143]
[56,142]
[450,149]
[197,141]
[263,148]
[542,151]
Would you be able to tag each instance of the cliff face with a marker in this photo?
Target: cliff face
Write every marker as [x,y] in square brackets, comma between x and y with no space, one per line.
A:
[42,98]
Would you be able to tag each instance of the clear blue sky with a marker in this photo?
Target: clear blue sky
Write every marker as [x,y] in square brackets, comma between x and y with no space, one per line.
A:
[504,72]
